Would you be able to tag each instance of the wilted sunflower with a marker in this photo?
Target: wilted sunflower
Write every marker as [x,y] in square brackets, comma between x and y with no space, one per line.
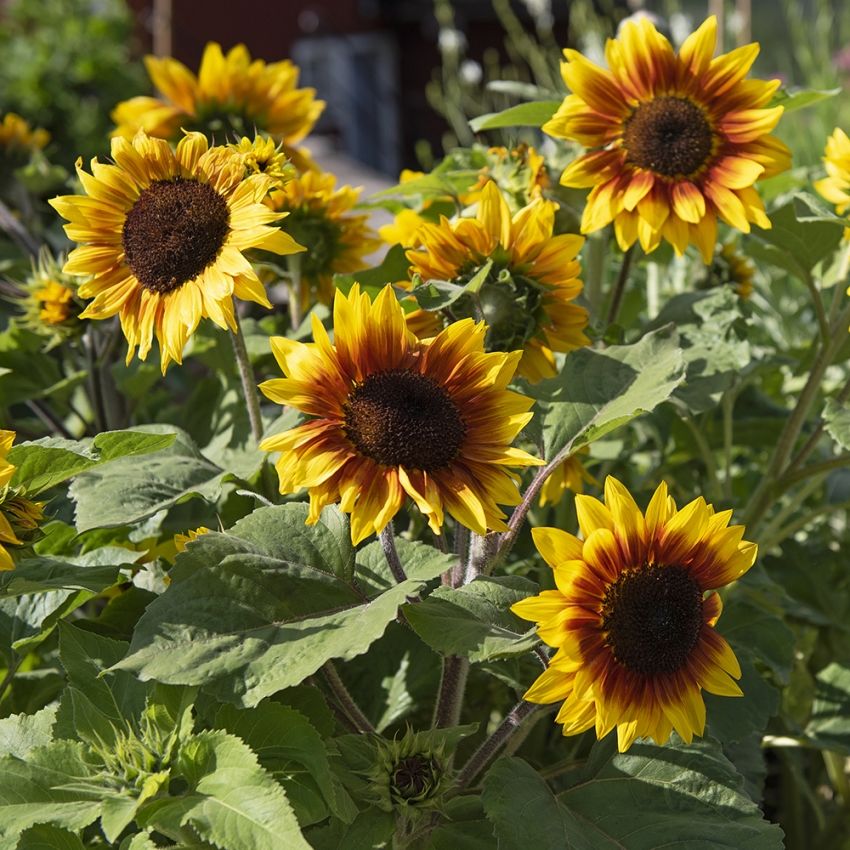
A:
[835,187]
[527,296]
[731,268]
[630,619]
[675,141]
[320,216]
[231,96]
[163,235]
[394,416]
[19,516]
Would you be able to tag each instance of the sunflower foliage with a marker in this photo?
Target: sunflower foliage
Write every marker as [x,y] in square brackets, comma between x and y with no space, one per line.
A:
[522,525]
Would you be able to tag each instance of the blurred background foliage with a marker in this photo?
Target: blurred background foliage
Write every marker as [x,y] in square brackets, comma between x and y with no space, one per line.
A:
[65,64]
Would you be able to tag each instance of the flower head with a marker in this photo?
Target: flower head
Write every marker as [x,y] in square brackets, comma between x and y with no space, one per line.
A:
[163,233]
[393,416]
[17,135]
[231,96]
[675,141]
[263,156]
[532,280]
[180,540]
[320,215]
[49,298]
[630,618]
[19,516]
[568,475]
[835,187]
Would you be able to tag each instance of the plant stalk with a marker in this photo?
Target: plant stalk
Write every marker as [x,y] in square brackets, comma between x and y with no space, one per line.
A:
[352,711]
[482,757]
[620,286]
[246,376]
[387,538]
[451,693]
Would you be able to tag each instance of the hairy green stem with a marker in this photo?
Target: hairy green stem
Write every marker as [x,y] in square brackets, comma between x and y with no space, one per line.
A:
[452,689]
[620,286]
[482,553]
[246,376]
[482,757]
[349,707]
[49,418]
[387,538]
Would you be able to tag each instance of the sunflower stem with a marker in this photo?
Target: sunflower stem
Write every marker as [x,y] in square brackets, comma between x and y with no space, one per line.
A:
[293,262]
[491,746]
[49,418]
[387,538]
[461,541]
[620,286]
[451,693]
[482,555]
[820,312]
[246,376]
[352,711]
[95,389]
[16,231]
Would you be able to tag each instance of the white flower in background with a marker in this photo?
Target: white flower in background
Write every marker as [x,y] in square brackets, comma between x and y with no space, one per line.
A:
[681,26]
[451,40]
[471,72]
[541,11]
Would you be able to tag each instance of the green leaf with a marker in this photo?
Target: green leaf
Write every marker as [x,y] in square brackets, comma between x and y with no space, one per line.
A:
[712,337]
[231,628]
[420,562]
[522,808]
[49,838]
[534,114]
[598,391]
[836,419]
[829,724]
[43,464]
[278,532]
[95,706]
[289,747]
[21,733]
[797,245]
[802,98]
[474,620]
[392,269]
[130,490]
[236,804]
[94,571]
[676,796]
[36,791]
[732,719]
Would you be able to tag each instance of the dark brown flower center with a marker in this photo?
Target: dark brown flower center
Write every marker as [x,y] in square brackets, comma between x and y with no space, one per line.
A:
[413,776]
[403,418]
[668,135]
[653,617]
[173,232]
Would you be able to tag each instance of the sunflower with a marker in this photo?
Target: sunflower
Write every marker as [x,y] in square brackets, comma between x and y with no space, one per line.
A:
[393,416]
[320,215]
[532,280]
[180,540]
[675,141]
[263,156]
[835,187]
[231,95]
[17,135]
[630,619]
[49,300]
[19,516]
[164,233]
[568,475]
[732,268]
